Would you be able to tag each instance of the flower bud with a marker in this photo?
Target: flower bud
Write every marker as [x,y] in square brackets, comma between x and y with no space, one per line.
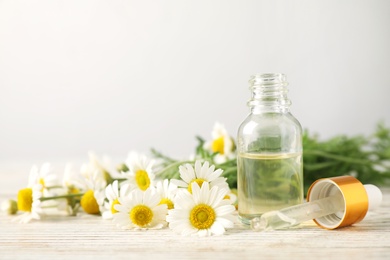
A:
[9,206]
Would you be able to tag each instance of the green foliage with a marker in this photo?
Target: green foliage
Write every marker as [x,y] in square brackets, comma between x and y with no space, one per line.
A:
[365,157]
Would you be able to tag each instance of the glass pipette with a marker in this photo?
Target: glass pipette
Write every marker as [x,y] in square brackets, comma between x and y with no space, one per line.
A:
[329,207]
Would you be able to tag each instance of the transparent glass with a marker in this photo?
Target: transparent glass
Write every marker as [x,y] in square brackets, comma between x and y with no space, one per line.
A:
[269,146]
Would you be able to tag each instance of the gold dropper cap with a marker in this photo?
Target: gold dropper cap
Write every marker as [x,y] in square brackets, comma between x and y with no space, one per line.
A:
[355,197]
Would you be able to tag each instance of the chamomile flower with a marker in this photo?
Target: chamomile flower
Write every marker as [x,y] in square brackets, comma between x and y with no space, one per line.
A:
[102,166]
[40,180]
[43,176]
[200,174]
[112,194]
[93,197]
[167,191]
[140,210]
[140,175]
[222,144]
[73,181]
[231,197]
[28,201]
[203,213]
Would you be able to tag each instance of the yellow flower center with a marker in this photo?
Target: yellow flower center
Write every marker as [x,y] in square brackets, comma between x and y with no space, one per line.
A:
[113,210]
[89,203]
[198,181]
[42,182]
[227,197]
[168,202]
[25,199]
[202,216]
[142,179]
[218,145]
[141,215]
[73,190]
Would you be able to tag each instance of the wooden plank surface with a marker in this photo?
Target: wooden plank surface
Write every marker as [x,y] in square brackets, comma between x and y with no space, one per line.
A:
[91,237]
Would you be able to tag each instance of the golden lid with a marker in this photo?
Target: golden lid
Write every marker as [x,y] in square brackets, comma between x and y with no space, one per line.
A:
[354,195]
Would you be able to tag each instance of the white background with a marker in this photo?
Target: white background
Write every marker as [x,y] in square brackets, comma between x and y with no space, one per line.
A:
[115,76]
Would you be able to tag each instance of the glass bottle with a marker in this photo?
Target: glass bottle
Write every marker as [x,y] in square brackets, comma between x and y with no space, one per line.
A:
[269,146]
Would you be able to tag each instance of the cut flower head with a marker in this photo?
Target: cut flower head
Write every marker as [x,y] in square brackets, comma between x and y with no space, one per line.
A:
[112,194]
[203,213]
[94,194]
[42,176]
[140,175]
[29,202]
[140,210]
[222,144]
[167,191]
[200,174]
[95,164]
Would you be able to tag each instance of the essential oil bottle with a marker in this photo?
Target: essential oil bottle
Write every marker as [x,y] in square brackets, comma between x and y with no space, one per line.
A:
[269,146]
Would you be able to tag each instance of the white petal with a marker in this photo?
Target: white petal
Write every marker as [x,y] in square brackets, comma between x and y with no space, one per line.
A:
[198,168]
[160,211]
[107,214]
[220,182]
[124,190]
[204,193]
[215,174]
[136,196]
[179,183]
[203,233]
[217,228]
[184,200]
[187,173]
[188,230]
[115,188]
[221,193]
[226,221]
[120,207]
[110,195]
[154,200]
[212,196]
[45,169]
[206,169]
[224,210]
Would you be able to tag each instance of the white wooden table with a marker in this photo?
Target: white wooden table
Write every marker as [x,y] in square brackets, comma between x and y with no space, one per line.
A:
[91,237]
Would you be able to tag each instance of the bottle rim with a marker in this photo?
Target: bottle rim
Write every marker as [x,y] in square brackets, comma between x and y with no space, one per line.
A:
[268,79]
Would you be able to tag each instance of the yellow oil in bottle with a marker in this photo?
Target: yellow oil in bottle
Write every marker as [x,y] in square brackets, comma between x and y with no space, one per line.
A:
[268,182]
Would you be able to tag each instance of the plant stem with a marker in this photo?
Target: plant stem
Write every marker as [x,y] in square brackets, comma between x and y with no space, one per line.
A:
[175,164]
[62,196]
[337,157]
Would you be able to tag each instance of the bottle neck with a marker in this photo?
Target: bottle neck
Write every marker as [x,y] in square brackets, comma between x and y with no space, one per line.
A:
[269,93]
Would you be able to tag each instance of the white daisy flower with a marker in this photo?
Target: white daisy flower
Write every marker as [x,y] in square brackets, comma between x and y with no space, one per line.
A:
[40,183]
[73,181]
[43,176]
[29,202]
[113,192]
[167,191]
[231,197]
[140,210]
[200,174]
[202,213]
[101,165]
[222,144]
[94,195]
[140,174]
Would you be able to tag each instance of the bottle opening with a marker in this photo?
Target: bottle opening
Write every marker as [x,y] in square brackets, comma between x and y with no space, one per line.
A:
[269,92]
[268,79]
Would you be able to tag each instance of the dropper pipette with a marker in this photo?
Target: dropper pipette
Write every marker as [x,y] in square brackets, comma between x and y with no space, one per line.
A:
[294,215]
[332,204]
